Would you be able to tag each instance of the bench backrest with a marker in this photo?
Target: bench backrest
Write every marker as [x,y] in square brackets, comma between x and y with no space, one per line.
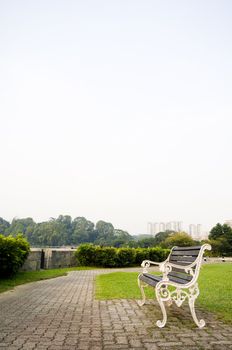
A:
[184,256]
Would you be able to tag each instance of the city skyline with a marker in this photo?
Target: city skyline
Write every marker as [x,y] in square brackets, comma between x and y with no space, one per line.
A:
[193,229]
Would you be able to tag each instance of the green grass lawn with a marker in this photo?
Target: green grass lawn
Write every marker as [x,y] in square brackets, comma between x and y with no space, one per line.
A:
[33,276]
[215,284]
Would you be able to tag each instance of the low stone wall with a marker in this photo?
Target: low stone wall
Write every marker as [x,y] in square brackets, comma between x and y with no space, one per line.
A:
[49,258]
[55,258]
[33,261]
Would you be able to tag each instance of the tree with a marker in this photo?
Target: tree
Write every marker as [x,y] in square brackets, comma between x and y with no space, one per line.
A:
[180,239]
[147,242]
[83,231]
[105,233]
[4,225]
[25,226]
[121,238]
[221,239]
[161,236]
[64,227]
[216,232]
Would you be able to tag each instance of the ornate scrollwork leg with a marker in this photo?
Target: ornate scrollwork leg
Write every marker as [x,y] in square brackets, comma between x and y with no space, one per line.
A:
[194,292]
[200,323]
[162,294]
[141,286]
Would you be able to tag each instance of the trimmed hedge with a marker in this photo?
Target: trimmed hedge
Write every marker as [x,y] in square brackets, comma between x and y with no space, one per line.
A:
[91,255]
[13,253]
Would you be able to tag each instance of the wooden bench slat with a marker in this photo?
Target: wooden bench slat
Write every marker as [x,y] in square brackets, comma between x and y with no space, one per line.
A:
[177,258]
[177,280]
[183,276]
[180,270]
[150,279]
[187,248]
[185,252]
[181,263]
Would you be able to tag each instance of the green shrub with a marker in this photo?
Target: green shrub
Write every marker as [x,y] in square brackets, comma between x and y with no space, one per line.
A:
[141,254]
[86,254]
[125,257]
[158,254]
[106,256]
[13,253]
[90,255]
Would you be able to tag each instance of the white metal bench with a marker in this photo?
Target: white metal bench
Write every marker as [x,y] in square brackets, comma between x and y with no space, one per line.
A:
[180,270]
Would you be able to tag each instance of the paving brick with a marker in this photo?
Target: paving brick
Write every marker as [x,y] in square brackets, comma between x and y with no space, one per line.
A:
[62,314]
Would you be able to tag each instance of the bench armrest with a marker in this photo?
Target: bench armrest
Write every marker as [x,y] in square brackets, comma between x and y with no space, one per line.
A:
[146,263]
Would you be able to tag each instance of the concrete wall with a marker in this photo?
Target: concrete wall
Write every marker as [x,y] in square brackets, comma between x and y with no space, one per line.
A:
[55,258]
[33,260]
[49,258]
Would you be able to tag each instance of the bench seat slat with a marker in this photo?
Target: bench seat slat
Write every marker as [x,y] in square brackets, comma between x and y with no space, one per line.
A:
[177,280]
[152,280]
[183,276]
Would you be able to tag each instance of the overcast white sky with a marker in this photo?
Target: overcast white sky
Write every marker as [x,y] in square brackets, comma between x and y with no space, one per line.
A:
[116,110]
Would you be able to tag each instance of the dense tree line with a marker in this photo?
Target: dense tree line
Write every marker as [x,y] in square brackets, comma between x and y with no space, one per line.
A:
[65,231]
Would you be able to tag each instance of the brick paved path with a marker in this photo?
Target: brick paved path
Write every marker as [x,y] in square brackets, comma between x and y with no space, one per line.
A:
[61,313]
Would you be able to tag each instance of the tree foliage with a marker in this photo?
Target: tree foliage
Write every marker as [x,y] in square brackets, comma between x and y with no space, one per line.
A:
[180,239]
[63,231]
[4,225]
[220,238]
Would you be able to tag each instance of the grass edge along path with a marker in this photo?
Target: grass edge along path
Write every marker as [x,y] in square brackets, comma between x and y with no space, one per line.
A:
[23,277]
[215,285]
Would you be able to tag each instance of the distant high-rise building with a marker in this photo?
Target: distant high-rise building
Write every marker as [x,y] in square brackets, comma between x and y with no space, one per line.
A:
[162,227]
[150,228]
[156,227]
[179,226]
[195,230]
[204,235]
[168,226]
[192,230]
[199,229]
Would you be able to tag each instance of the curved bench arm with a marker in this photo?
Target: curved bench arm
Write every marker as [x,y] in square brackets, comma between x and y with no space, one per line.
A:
[147,263]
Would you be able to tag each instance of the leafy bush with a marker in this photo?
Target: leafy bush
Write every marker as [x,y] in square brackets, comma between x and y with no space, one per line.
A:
[125,257]
[86,255]
[90,255]
[141,254]
[13,253]
[106,256]
[158,254]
